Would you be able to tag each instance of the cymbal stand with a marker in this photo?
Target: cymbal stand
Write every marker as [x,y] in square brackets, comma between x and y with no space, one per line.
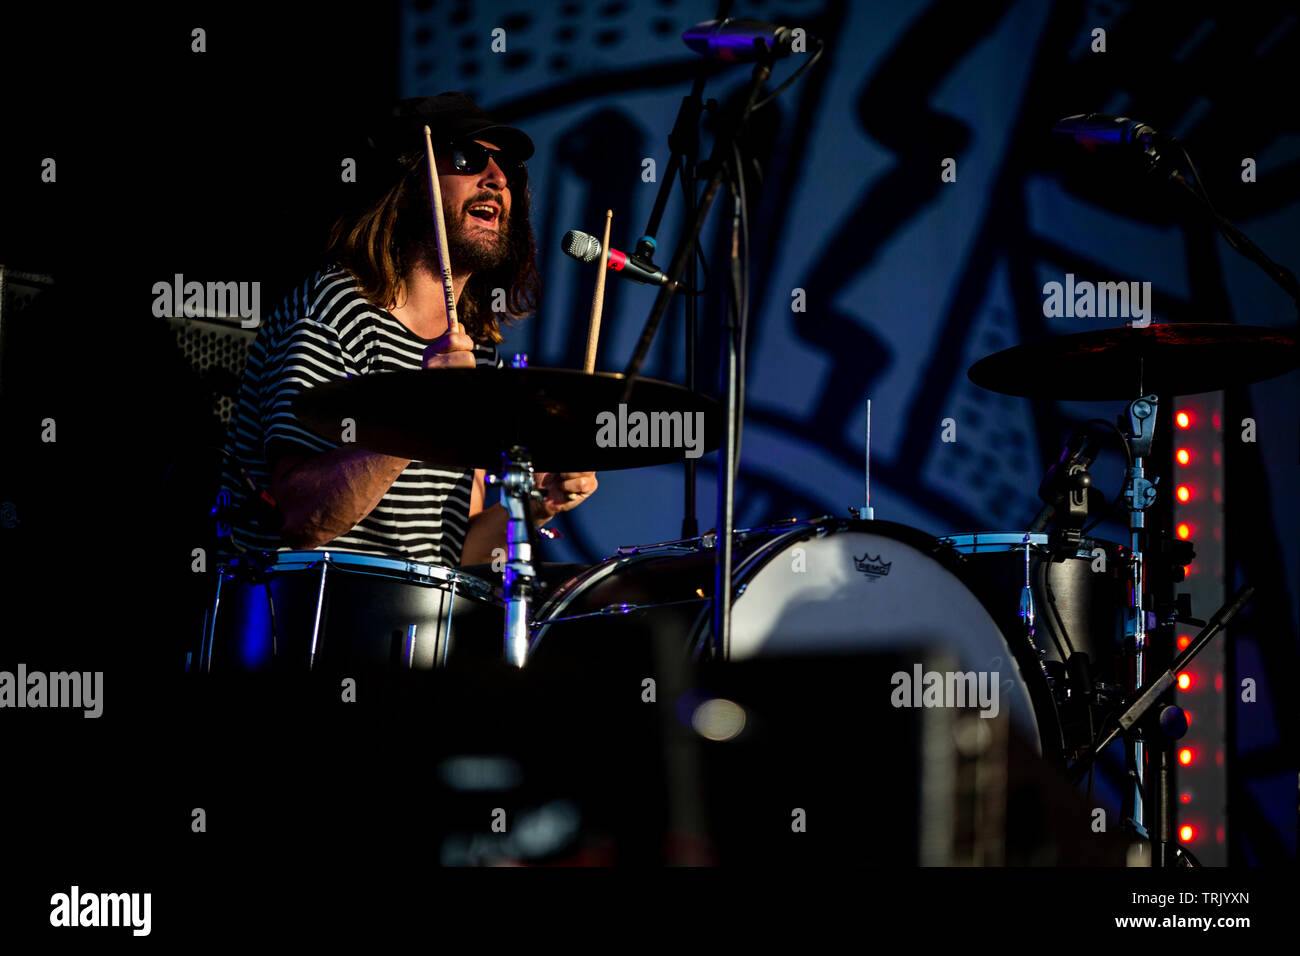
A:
[1140,494]
[1170,723]
[517,493]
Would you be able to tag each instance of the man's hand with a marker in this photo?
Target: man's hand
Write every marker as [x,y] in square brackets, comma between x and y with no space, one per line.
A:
[455,349]
[565,490]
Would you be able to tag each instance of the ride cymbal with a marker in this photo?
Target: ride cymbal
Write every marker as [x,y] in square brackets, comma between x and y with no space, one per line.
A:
[1120,364]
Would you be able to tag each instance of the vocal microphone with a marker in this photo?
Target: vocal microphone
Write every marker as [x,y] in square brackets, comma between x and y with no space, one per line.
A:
[733,40]
[586,248]
[1095,131]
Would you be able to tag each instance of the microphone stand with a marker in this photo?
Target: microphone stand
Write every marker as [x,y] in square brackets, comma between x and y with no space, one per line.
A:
[684,141]
[720,162]
[684,146]
[1158,164]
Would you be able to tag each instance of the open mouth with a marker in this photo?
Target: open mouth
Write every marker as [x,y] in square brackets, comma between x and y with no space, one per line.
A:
[485,212]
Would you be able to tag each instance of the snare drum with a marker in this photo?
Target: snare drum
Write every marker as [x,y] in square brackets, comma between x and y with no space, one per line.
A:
[827,586]
[311,609]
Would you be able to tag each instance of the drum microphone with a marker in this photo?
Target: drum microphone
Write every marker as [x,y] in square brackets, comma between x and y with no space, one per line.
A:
[260,505]
[733,40]
[1064,477]
[586,248]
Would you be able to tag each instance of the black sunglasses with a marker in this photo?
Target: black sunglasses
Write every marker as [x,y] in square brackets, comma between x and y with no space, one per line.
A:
[470,158]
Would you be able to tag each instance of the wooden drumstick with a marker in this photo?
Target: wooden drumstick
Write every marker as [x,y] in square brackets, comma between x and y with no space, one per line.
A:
[598,300]
[440,227]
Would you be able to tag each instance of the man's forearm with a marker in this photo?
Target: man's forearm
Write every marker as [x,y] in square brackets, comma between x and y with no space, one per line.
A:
[328,495]
[487,533]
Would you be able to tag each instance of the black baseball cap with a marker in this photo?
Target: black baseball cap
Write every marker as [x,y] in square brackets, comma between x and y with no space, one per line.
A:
[448,115]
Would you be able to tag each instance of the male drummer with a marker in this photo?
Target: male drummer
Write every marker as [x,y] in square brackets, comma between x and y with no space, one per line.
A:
[379,307]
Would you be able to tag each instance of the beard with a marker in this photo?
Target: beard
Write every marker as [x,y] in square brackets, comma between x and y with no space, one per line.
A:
[471,249]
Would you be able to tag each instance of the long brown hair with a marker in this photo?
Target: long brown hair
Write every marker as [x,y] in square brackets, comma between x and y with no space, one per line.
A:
[375,244]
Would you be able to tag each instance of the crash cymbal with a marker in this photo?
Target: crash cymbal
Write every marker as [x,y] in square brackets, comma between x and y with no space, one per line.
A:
[1120,364]
[466,418]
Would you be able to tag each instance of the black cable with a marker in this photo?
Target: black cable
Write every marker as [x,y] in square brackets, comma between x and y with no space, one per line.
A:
[1236,239]
[1196,174]
[1128,457]
[1092,735]
[1044,569]
[1123,439]
[738,171]
[699,250]
[821,48]
[743,297]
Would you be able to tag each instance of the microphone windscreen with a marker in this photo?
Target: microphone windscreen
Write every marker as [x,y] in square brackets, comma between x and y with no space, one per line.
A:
[581,246]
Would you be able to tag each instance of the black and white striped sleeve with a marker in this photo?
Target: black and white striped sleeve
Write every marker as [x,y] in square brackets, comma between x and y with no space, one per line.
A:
[309,354]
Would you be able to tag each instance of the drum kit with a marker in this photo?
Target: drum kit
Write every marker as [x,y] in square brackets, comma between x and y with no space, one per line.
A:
[1065,630]
[1060,618]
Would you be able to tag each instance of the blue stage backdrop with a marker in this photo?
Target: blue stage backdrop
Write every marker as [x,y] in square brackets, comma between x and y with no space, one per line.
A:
[906,279]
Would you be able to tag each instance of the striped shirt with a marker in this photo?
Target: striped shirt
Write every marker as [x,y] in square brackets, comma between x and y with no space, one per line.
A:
[323,331]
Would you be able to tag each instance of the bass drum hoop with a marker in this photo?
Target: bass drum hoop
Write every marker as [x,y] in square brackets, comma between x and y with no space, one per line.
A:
[939,549]
[744,573]
[698,642]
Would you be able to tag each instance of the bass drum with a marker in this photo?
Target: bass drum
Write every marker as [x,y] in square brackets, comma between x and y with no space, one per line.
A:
[827,586]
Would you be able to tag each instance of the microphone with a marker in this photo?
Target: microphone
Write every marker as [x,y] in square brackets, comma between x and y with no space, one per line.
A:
[586,248]
[260,505]
[1067,477]
[733,40]
[1095,131]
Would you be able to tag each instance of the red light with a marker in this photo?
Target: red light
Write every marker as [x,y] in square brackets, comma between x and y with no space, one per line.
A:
[1187,570]
[1187,798]
[1185,756]
[1188,715]
[1187,833]
[1184,681]
[1183,419]
[1183,456]
[1184,493]
[1183,642]
[1184,530]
